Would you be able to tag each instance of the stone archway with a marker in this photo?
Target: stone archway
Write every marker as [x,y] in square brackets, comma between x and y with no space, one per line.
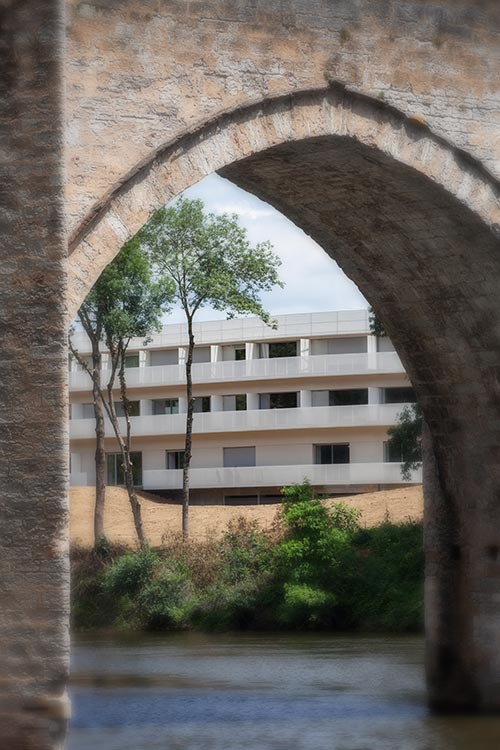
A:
[382,174]
[414,222]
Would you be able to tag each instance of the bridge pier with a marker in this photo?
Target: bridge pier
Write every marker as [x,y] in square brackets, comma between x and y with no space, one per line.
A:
[462,591]
[34,576]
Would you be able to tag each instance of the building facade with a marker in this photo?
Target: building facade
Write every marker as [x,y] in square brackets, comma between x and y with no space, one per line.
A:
[312,398]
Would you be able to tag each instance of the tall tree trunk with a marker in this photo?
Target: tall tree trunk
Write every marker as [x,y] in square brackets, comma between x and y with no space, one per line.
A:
[189,433]
[124,445]
[100,453]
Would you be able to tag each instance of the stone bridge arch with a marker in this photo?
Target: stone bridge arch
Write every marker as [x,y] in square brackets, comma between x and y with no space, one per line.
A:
[414,221]
[303,118]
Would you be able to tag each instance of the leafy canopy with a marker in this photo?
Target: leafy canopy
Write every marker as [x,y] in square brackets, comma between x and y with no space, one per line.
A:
[405,439]
[209,259]
[126,299]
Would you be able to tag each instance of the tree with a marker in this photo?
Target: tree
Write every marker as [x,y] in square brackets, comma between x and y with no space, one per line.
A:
[210,262]
[90,316]
[125,303]
[376,325]
[405,439]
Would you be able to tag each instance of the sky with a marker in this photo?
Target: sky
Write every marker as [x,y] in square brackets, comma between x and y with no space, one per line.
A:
[313,281]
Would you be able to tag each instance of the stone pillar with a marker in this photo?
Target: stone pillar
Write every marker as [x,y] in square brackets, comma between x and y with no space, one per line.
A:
[34,602]
[305,399]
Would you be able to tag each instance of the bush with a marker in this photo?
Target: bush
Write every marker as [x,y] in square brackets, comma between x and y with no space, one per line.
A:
[317,569]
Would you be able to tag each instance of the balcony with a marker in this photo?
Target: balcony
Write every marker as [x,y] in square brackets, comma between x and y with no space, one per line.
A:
[321,365]
[366,415]
[279,476]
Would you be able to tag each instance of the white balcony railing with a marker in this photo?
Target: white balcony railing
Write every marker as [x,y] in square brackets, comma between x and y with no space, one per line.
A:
[367,415]
[279,476]
[320,365]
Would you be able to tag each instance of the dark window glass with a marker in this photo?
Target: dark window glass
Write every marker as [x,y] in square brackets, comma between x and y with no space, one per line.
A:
[283,349]
[241,402]
[349,397]
[282,400]
[166,406]
[132,360]
[338,453]
[240,354]
[201,403]
[175,460]
[399,396]
[115,475]
[134,409]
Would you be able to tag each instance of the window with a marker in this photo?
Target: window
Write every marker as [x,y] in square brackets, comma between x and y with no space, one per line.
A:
[164,357]
[239,456]
[201,403]
[338,453]
[278,400]
[349,397]
[240,353]
[115,477]
[201,354]
[282,349]
[399,396]
[339,345]
[132,360]
[320,398]
[134,409]
[175,460]
[165,406]
[235,403]
[396,454]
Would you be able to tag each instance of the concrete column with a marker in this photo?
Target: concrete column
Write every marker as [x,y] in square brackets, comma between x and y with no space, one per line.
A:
[182,355]
[215,353]
[34,601]
[143,358]
[251,350]
[183,405]
[305,347]
[305,399]
[374,395]
[252,401]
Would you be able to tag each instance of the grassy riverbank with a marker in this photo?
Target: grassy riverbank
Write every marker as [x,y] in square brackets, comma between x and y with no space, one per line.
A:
[315,568]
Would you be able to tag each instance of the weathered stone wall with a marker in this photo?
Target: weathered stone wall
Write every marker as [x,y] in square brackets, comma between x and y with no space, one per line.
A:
[33,448]
[142,73]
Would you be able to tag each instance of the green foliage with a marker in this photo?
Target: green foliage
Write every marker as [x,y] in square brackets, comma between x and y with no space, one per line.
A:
[129,301]
[405,439]
[386,582]
[206,259]
[322,571]
[376,325]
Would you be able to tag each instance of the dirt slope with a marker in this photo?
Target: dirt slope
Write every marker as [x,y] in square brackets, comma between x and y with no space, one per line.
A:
[210,520]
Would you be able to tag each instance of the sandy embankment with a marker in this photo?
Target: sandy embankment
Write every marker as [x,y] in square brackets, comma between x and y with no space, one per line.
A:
[211,520]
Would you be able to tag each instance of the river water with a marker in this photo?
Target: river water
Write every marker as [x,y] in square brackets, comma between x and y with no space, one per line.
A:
[260,692]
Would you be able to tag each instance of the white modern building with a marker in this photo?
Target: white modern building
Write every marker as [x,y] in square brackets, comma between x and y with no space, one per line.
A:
[312,398]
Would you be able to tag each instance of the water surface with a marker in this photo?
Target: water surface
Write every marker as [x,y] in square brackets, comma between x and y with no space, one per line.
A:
[260,692]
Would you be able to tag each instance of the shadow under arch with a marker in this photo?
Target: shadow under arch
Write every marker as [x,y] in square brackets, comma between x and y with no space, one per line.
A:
[414,222]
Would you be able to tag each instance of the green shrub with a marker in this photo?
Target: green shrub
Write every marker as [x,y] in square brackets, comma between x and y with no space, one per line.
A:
[319,569]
